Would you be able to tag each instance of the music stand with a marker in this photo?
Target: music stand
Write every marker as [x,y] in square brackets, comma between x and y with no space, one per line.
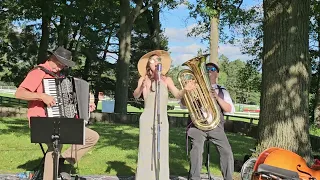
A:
[57,130]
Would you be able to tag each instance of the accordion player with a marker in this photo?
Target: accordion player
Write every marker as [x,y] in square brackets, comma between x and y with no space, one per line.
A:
[72,97]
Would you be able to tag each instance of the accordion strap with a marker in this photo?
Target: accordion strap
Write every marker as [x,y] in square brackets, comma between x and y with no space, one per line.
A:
[47,71]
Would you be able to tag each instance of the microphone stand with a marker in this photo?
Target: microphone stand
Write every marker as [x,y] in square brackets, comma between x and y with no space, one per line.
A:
[156,119]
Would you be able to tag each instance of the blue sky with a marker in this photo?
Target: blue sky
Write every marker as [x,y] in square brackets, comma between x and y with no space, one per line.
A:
[176,24]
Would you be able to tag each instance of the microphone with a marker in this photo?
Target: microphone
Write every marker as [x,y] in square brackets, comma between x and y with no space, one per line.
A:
[158,70]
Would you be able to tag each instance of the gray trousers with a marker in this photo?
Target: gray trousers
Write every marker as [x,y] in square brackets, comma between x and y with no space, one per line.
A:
[218,137]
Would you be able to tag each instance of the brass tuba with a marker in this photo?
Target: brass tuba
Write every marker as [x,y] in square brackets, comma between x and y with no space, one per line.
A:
[203,109]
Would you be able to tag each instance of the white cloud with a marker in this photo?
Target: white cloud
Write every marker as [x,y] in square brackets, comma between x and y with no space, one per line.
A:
[181,58]
[192,48]
[182,6]
[179,34]
[183,48]
[17,29]
[232,52]
[180,54]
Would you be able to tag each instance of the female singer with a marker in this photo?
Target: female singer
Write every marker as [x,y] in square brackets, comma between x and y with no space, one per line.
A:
[147,158]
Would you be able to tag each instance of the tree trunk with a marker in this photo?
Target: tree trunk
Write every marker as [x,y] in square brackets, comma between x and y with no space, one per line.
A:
[214,39]
[284,119]
[127,18]
[96,96]
[122,68]
[156,24]
[87,64]
[214,30]
[65,33]
[60,30]
[44,41]
[122,76]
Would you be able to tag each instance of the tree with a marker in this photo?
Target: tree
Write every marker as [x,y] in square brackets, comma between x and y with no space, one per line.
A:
[34,10]
[81,26]
[249,81]
[128,16]
[216,15]
[18,54]
[251,36]
[147,36]
[284,119]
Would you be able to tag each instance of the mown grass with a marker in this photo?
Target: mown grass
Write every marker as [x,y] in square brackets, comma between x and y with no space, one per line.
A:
[115,153]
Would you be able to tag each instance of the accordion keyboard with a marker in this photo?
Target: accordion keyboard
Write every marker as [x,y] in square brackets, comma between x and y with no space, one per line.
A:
[71,95]
[51,89]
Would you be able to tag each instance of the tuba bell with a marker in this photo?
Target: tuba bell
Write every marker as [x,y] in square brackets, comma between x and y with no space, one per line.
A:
[204,110]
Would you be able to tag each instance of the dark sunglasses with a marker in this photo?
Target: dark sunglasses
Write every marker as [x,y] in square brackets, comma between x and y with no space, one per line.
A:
[213,69]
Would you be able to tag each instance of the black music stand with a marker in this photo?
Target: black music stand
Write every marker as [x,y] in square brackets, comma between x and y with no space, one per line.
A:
[57,130]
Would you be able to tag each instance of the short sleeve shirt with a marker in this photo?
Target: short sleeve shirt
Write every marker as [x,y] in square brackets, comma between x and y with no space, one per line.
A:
[33,83]
[226,97]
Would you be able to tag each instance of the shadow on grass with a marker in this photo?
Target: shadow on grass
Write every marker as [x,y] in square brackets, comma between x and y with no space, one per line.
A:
[31,165]
[126,137]
[178,158]
[38,164]
[68,168]
[118,135]
[18,126]
[120,167]
[178,151]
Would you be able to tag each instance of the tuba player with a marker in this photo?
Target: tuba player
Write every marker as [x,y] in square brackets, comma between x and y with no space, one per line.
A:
[217,135]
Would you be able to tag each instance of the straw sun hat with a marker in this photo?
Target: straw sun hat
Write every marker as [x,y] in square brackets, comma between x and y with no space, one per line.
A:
[165,61]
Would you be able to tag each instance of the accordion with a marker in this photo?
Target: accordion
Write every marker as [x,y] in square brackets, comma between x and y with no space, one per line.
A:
[71,95]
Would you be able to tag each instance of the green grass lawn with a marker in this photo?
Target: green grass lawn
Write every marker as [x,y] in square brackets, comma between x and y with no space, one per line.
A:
[115,153]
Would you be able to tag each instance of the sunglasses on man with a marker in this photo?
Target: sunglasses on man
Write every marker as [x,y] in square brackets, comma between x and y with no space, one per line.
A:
[213,69]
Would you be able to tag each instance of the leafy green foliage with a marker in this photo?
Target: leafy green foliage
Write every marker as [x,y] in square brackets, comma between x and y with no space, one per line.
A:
[142,42]
[314,48]
[241,79]
[173,73]
[18,53]
[251,36]
[88,28]
[229,13]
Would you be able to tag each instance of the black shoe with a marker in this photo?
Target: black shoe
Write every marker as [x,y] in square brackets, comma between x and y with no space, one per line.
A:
[61,164]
